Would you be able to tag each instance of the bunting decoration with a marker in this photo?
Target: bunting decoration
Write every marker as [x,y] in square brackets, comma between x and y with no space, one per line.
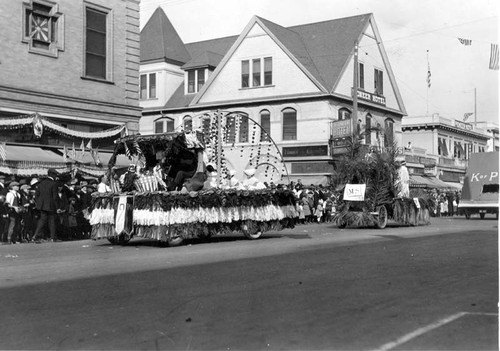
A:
[494,57]
[89,144]
[39,123]
[467,115]
[3,151]
[127,151]
[466,42]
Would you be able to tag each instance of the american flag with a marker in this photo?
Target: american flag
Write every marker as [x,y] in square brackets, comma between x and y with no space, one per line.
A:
[3,151]
[494,57]
[467,115]
[127,150]
[466,42]
[428,75]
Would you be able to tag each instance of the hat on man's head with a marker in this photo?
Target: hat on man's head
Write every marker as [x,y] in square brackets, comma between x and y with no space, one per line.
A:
[13,184]
[51,172]
[23,181]
[403,163]
[25,187]
[250,172]
[34,181]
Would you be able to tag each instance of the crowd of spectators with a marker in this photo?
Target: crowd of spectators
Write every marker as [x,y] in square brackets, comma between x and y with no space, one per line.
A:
[44,209]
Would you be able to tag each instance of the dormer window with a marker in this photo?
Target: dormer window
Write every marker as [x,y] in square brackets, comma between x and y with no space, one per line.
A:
[196,80]
[259,69]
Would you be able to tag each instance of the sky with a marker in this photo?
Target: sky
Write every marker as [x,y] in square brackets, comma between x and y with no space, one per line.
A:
[417,34]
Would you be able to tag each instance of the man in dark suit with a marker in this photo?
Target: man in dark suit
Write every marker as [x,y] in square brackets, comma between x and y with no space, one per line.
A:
[46,202]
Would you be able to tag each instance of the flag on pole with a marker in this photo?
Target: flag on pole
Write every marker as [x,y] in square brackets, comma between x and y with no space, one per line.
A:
[127,150]
[89,144]
[73,152]
[95,156]
[65,154]
[3,151]
[467,115]
[428,75]
[82,150]
[466,42]
[494,57]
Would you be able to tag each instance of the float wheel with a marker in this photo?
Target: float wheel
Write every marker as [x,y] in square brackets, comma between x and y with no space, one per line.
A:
[121,239]
[248,234]
[175,241]
[381,218]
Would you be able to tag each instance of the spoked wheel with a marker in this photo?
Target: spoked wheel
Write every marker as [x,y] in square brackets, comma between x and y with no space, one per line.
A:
[121,239]
[381,218]
[248,234]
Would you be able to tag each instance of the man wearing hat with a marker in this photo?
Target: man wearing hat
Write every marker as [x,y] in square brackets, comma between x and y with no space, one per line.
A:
[403,182]
[4,222]
[46,202]
[252,183]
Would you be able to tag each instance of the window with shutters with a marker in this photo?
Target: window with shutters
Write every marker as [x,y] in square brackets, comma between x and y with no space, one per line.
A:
[289,124]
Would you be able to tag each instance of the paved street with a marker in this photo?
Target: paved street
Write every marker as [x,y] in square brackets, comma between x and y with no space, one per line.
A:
[313,287]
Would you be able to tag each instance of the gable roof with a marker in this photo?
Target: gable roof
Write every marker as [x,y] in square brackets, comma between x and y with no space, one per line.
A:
[207,58]
[160,41]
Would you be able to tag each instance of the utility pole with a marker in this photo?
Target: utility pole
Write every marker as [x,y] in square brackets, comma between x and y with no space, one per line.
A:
[219,146]
[475,108]
[354,116]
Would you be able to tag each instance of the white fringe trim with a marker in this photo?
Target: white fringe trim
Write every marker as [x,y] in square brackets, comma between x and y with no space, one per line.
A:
[202,215]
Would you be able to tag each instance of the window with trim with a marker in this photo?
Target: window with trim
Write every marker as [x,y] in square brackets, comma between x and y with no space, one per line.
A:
[205,128]
[361,76]
[243,133]
[230,131]
[164,125]
[344,114]
[379,82]
[265,123]
[261,71]
[289,124]
[196,80]
[148,86]
[43,27]
[97,42]
[187,124]
[388,132]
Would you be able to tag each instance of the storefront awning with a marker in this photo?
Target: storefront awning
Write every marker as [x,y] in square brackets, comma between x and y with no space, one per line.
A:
[455,186]
[417,181]
[30,154]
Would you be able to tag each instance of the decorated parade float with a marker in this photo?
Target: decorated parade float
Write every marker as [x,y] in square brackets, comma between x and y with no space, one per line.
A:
[373,187]
[189,184]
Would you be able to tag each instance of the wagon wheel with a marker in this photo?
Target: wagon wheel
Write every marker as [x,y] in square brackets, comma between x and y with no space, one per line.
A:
[426,216]
[175,240]
[381,218]
[248,234]
[121,239]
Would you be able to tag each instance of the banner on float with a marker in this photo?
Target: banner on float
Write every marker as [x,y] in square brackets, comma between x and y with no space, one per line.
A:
[354,192]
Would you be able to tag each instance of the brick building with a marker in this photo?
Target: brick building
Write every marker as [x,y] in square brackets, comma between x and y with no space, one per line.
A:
[75,63]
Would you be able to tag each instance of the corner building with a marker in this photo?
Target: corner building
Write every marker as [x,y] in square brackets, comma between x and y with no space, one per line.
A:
[296,82]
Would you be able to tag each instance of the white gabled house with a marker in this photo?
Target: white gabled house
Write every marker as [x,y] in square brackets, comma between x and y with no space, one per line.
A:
[296,82]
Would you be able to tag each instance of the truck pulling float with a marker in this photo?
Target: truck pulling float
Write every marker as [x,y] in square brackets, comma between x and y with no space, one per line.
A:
[480,190]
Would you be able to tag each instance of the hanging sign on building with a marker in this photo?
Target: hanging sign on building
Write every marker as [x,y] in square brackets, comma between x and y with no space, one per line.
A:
[462,125]
[377,99]
[341,128]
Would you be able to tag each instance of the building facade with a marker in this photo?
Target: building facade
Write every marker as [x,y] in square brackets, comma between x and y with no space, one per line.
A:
[295,83]
[73,63]
[447,141]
